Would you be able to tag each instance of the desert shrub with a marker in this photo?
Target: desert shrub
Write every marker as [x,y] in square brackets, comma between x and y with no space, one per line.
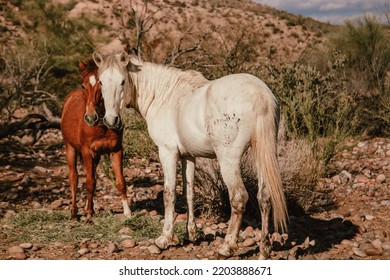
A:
[313,104]
[300,166]
[366,44]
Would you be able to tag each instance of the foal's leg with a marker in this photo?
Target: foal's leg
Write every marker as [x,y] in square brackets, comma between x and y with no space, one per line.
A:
[168,160]
[90,164]
[116,161]
[188,174]
[71,158]
[238,196]
[263,198]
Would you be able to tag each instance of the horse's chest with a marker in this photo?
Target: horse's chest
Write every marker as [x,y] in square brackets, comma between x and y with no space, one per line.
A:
[105,142]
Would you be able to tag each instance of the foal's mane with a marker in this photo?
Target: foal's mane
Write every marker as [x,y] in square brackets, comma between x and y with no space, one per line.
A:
[89,67]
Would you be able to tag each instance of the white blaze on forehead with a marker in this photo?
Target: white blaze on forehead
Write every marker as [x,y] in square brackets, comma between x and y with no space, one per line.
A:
[111,80]
[92,80]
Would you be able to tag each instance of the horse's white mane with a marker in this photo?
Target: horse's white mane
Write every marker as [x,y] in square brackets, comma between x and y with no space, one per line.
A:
[160,82]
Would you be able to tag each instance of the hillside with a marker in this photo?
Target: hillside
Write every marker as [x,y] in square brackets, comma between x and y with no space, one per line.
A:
[274,35]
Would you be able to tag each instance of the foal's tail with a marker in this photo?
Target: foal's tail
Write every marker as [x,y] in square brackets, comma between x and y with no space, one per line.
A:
[264,151]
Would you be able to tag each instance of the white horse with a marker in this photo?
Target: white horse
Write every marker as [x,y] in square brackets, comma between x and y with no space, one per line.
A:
[189,116]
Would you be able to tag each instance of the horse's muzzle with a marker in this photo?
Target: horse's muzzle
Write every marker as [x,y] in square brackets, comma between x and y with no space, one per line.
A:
[113,122]
[91,120]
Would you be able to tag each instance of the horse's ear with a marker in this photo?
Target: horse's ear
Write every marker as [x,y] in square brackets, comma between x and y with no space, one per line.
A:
[124,58]
[97,58]
[81,65]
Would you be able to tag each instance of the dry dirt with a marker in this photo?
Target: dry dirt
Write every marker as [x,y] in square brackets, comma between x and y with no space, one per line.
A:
[352,219]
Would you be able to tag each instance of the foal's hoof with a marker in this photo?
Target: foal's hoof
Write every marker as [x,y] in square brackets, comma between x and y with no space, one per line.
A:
[225,251]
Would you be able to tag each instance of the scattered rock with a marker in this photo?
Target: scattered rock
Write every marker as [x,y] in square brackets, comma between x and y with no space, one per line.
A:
[153,249]
[17,252]
[248,242]
[359,252]
[381,178]
[26,245]
[83,251]
[40,169]
[56,204]
[112,248]
[386,246]
[128,243]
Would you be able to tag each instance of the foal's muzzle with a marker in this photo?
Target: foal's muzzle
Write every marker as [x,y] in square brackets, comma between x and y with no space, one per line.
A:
[91,120]
[113,122]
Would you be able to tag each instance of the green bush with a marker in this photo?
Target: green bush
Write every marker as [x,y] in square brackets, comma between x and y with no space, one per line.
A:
[313,104]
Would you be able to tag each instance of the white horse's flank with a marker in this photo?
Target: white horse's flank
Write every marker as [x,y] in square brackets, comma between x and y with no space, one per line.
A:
[189,116]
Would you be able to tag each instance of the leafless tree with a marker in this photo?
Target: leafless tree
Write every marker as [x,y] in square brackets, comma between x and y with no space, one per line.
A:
[21,84]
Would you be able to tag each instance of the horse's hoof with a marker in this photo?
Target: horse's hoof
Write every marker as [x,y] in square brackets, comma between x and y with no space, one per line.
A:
[127,215]
[161,242]
[225,251]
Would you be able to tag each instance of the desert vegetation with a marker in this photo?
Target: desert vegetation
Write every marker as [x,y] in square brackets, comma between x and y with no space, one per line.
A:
[336,85]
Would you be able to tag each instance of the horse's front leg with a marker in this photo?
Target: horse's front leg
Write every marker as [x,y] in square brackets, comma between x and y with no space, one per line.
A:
[71,158]
[90,163]
[168,160]
[188,174]
[116,161]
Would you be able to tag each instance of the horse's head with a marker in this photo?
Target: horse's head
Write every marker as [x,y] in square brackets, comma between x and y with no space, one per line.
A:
[113,77]
[92,92]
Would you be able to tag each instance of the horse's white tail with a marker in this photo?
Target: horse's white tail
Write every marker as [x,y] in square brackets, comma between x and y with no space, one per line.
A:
[264,150]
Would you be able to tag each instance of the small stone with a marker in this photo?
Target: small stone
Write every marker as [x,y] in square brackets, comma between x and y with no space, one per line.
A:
[372,252]
[381,178]
[153,213]
[366,245]
[361,179]
[248,242]
[386,246]
[112,248]
[128,243]
[181,217]
[83,251]
[17,252]
[358,252]
[56,204]
[385,202]
[15,249]
[377,243]
[26,245]
[369,217]
[222,226]
[153,249]
[40,169]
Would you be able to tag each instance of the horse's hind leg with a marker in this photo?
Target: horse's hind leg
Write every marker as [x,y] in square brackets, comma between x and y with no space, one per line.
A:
[116,161]
[71,158]
[238,196]
[263,198]
[188,174]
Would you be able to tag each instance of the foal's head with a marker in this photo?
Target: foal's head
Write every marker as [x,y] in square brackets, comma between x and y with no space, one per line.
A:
[92,92]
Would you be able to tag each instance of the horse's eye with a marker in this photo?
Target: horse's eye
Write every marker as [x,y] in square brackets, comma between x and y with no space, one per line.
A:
[123,82]
[100,82]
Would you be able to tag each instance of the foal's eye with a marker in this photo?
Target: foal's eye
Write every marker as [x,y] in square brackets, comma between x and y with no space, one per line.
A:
[123,82]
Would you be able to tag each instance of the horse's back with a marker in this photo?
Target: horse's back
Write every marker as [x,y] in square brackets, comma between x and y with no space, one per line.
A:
[225,113]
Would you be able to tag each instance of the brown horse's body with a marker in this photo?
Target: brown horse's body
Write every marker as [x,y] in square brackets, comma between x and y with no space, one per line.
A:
[83,134]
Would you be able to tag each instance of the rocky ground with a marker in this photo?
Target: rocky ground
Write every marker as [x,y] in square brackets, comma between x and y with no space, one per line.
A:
[352,220]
